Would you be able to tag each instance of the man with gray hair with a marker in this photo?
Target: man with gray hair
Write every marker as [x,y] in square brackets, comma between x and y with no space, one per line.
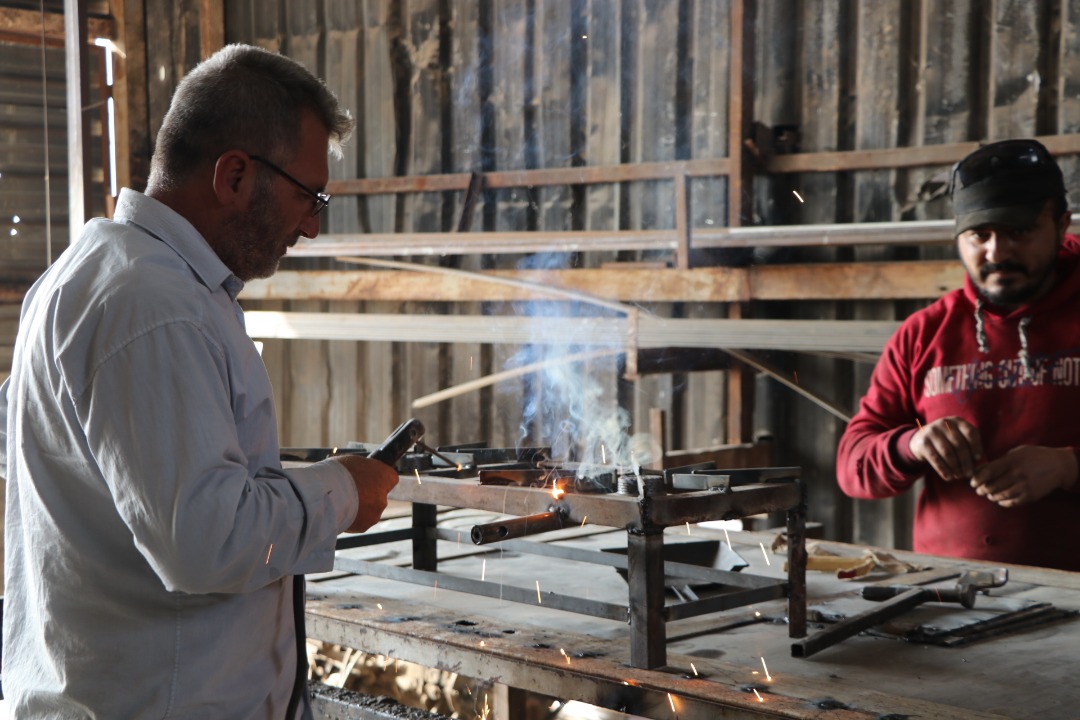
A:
[152,535]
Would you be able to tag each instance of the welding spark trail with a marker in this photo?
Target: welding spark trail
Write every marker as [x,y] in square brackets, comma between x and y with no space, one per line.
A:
[760,699]
[728,538]
[417,476]
[797,195]
[268,554]
[538,600]
[483,571]
[767,561]
[766,667]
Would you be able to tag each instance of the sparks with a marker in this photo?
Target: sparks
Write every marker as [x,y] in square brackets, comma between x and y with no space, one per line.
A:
[766,668]
[482,643]
[757,614]
[671,701]
[470,362]
[687,527]
[459,467]
[759,698]
[694,669]
[268,554]
[436,590]
[538,600]
[603,454]
[767,561]
[378,605]
[417,471]
[583,520]
[728,538]
[483,570]
[796,374]
[918,423]
[557,492]
[798,196]
[565,655]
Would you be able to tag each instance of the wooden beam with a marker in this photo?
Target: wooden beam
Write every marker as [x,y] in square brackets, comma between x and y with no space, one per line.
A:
[914,280]
[77,74]
[582,175]
[927,155]
[26,27]
[598,332]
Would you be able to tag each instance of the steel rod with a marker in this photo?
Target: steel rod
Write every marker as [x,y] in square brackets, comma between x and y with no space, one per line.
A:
[510,528]
[512,593]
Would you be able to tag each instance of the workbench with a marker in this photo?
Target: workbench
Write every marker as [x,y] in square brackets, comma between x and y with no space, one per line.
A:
[715,663]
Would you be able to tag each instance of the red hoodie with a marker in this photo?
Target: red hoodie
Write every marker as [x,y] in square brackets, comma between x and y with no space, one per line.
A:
[932,368]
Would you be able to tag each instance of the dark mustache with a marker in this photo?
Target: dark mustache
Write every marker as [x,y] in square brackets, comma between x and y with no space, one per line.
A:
[988,268]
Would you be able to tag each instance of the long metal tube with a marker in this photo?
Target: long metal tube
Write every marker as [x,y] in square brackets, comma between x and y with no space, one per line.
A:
[517,527]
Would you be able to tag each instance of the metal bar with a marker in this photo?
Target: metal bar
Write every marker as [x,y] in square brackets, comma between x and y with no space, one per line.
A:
[619,561]
[679,508]
[333,703]
[857,623]
[645,574]
[424,546]
[796,542]
[516,527]
[512,593]
[366,539]
[726,601]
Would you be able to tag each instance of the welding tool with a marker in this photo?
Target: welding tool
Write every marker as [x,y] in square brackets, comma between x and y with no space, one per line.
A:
[390,452]
[898,599]
[399,442]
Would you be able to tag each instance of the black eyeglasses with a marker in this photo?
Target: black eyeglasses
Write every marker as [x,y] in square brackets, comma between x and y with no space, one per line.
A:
[1007,156]
[321,200]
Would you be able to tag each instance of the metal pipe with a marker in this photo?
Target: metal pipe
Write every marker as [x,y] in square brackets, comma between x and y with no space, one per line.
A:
[517,527]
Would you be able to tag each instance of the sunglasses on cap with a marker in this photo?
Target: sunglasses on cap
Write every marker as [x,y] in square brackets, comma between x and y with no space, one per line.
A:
[999,158]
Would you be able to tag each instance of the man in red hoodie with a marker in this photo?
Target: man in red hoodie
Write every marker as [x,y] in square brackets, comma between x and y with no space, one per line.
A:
[979,393]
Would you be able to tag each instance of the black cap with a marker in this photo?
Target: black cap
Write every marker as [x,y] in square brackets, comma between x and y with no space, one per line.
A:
[1006,182]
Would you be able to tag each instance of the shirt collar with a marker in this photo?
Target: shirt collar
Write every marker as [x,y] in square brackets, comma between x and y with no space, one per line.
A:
[173,229]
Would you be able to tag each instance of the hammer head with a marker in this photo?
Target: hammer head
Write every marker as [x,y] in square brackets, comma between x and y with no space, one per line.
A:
[974,581]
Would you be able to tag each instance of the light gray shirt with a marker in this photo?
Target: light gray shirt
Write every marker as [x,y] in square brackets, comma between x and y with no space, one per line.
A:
[151,531]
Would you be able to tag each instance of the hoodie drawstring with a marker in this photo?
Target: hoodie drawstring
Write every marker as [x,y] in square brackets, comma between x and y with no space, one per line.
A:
[984,344]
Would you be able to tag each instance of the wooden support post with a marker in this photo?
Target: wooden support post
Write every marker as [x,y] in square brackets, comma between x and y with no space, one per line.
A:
[658,433]
[740,111]
[682,222]
[211,27]
[77,74]
[740,395]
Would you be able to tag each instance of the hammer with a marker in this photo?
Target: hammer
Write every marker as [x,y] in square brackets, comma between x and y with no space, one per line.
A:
[898,599]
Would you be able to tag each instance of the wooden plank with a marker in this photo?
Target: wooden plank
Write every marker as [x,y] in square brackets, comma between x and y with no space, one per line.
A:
[377,148]
[26,27]
[133,142]
[1016,69]
[470,421]
[211,27]
[308,387]
[603,93]
[653,332]
[914,280]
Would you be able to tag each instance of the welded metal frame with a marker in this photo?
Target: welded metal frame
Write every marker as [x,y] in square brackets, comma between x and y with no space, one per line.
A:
[644,519]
